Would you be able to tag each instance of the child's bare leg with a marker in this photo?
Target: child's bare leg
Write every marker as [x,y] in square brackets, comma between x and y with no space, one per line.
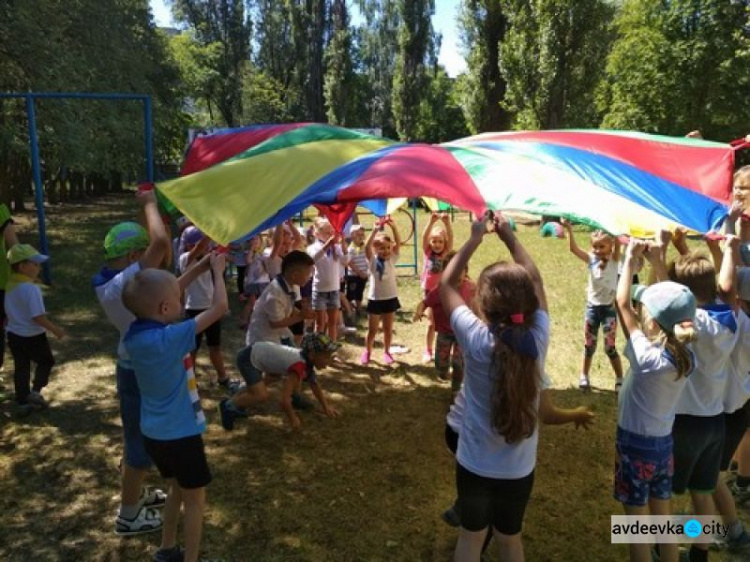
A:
[743,456]
[171,515]
[333,323]
[667,552]
[388,330]
[638,552]
[195,503]
[217,360]
[247,311]
[250,396]
[429,337]
[131,484]
[469,545]
[373,323]
[511,546]
[320,320]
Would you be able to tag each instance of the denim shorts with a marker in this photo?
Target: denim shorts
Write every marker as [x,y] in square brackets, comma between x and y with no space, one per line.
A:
[247,369]
[643,468]
[326,300]
[130,413]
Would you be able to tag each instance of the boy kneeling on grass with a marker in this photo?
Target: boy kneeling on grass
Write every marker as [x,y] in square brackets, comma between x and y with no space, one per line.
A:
[278,360]
[172,420]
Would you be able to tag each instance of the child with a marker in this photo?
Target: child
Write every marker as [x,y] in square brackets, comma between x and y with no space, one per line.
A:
[237,255]
[382,303]
[448,354]
[198,297]
[660,361]
[356,276]
[329,252]
[172,420]
[699,425]
[128,248]
[295,365]
[256,278]
[27,327]
[437,242]
[600,295]
[741,363]
[504,354]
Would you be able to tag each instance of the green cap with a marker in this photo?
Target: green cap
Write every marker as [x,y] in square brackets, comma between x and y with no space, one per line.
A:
[123,238]
[24,252]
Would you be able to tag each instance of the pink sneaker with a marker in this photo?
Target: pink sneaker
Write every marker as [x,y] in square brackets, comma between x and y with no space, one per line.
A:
[388,358]
[364,359]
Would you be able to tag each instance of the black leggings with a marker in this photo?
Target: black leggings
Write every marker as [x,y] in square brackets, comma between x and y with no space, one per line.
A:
[492,501]
[26,350]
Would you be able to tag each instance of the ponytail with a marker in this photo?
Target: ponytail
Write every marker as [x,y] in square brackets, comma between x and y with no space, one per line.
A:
[676,344]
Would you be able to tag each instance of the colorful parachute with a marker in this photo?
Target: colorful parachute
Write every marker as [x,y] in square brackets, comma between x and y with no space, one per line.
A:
[620,181]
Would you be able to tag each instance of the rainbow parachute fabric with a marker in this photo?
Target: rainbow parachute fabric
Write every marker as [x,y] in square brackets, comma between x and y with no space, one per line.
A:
[239,181]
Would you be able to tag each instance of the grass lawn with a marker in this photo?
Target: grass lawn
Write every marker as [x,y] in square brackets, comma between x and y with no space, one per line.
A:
[370,485]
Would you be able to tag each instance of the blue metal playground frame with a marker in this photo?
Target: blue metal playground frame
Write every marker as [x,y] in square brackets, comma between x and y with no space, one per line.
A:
[30,97]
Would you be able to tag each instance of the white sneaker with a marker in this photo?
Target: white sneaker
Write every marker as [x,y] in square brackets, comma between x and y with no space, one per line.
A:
[148,520]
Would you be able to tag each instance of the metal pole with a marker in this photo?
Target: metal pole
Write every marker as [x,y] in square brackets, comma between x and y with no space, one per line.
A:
[415,236]
[148,134]
[39,194]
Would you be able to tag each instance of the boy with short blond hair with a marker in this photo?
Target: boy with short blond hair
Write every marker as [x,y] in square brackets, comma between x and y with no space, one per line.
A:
[172,420]
[27,327]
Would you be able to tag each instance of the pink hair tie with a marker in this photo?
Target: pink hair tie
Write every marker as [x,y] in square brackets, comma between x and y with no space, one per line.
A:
[517,318]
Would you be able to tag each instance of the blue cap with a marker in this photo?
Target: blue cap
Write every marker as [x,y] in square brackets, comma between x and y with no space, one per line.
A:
[668,303]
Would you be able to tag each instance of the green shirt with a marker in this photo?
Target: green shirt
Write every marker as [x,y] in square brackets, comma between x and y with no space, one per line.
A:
[5,220]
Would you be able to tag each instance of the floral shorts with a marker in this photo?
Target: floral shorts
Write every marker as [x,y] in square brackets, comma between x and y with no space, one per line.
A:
[644,467]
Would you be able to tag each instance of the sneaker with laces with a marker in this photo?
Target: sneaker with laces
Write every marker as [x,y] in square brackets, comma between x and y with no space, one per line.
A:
[36,399]
[388,358]
[148,520]
[230,385]
[174,554]
[228,415]
[739,543]
[583,383]
[364,359]
[153,497]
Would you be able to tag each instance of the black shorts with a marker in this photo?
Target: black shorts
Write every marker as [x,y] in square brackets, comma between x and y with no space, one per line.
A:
[383,307]
[491,501]
[213,332]
[355,288]
[182,459]
[298,328]
[735,425]
[451,439]
[698,443]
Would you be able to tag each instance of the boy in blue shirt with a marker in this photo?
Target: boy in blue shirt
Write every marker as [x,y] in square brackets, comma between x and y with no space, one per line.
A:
[172,420]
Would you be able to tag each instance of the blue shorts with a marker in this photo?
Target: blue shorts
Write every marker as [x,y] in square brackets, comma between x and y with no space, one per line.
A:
[326,300]
[130,413]
[643,468]
[247,369]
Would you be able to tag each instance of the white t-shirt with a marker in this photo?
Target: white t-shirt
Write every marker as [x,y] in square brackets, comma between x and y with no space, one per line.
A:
[328,264]
[200,293]
[383,288]
[455,417]
[23,303]
[602,283]
[738,386]
[110,297]
[704,391]
[257,270]
[272,264]
[649,395]
[275,359]
[481,449]
[274,304]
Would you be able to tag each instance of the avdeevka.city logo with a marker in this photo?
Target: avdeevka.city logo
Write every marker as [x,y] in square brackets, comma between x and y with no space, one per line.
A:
[634,529]
[693,528]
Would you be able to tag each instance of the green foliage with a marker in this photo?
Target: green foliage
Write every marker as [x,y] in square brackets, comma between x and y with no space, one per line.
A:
[416,48]
[552,57]
[678,66]
[339,78]
[483,25]
[440,117]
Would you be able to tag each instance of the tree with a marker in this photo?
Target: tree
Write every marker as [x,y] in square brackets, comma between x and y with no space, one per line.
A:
[483,25]
[680,65]
[441,118]
[223,30]
[552,57]
[339,78]
[416,53]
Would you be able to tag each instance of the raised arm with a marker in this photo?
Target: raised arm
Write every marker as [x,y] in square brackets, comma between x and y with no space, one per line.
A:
[276,240]
[219,304]
[370,240]
[159,242]
[654,253]
[448,231]
[627,314]
[426,232]
[396,235]
[574,249]
[728,269]
[449,294]
[193,271]
[521,257]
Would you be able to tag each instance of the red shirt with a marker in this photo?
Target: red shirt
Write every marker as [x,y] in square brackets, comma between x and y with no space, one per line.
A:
[467,289]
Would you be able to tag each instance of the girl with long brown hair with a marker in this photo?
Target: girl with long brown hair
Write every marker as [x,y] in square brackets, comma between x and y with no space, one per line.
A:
[504,350]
